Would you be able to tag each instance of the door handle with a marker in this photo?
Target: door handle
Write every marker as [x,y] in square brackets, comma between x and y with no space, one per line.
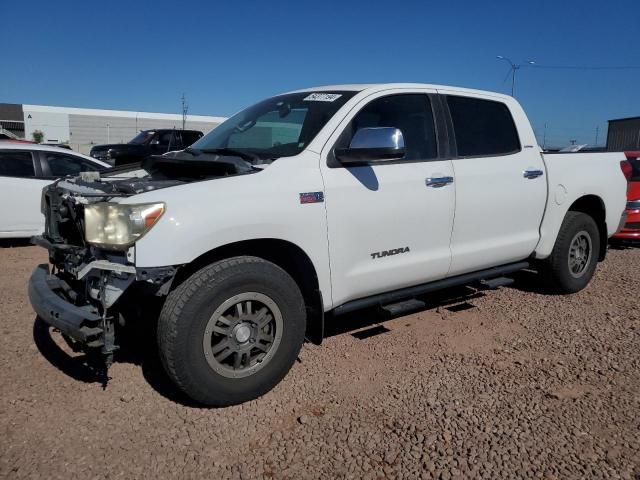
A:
[530,174]
[437,182]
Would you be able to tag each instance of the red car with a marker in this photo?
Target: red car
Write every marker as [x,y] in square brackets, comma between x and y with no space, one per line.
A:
[631,168]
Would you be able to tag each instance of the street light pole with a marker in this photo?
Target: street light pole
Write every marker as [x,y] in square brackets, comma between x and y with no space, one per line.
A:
[514,67]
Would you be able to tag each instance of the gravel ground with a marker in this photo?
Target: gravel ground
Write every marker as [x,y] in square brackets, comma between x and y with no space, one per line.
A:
[506,383]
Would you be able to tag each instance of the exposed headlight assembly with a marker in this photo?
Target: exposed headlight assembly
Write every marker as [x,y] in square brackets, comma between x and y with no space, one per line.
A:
[118,226]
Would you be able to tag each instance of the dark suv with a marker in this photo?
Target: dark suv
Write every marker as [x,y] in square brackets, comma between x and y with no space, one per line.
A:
[146,143]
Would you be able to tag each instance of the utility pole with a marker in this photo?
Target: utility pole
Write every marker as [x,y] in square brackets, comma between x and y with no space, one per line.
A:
[514,68]
[544,137]
[185,109]
[597,132]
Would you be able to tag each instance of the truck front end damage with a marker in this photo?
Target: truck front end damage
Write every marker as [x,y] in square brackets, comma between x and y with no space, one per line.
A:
[91,230]
[83,291]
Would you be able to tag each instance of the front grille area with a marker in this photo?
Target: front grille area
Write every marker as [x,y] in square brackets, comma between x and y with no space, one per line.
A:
[62,219]
[632,226]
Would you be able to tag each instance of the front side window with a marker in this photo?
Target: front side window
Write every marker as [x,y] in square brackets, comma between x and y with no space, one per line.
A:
[142,137]
[63,165]
[281,126]
[16,164]
[482,127]
[411,113]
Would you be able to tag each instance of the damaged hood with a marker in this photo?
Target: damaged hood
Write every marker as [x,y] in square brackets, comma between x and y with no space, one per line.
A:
[154,173]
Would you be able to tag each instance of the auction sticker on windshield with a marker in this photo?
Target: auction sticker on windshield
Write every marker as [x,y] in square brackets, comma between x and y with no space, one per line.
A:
[322,97]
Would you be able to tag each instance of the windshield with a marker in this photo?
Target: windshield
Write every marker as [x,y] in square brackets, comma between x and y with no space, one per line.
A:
[142,137]
[281,126]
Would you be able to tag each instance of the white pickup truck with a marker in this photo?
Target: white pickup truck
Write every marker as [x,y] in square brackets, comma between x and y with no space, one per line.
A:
[310,203]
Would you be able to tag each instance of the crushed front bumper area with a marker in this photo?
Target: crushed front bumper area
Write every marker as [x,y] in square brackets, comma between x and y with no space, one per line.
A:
[84,304]
[81,323]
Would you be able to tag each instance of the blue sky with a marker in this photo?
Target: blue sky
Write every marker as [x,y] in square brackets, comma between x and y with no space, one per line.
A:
[226,55]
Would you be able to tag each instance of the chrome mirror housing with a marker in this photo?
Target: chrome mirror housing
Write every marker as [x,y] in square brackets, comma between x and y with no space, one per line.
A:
[377,144]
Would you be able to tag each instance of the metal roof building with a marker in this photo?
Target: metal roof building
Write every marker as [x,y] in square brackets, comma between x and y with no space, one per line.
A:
[624,134]
[83,127]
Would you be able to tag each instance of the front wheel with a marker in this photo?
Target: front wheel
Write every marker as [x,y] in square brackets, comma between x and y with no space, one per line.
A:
[575,254]
[232,330]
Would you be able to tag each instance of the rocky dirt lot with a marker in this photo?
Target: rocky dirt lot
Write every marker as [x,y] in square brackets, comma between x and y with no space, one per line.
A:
[500,384]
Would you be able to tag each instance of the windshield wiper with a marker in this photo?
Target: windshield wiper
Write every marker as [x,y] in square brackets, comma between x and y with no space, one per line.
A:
[231,151]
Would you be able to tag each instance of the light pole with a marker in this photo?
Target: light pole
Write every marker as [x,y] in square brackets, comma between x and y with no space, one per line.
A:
[514,67]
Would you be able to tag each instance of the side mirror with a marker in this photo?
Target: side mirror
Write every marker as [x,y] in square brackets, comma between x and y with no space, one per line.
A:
[380,144]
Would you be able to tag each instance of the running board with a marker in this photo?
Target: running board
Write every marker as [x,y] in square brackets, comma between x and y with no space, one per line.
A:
[410,292]
[496,282]
[402,307]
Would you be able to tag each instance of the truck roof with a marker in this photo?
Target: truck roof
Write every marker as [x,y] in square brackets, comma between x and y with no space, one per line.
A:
[170,130]
[375,87]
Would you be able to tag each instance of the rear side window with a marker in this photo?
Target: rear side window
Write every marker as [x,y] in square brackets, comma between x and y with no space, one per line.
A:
[16,164]
[62,165]
[190,137]
[482,127]
[167,138]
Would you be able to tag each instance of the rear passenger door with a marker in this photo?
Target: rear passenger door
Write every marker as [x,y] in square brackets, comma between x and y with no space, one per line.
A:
[20,194]
[501,187]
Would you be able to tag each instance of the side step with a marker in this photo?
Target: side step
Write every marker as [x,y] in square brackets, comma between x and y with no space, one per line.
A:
[402,307]
[411,292]
[494,283]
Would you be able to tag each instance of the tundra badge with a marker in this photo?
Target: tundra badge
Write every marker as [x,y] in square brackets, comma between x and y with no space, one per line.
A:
[386,253]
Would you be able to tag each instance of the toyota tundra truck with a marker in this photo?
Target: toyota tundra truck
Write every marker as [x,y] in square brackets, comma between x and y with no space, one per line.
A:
[313,203]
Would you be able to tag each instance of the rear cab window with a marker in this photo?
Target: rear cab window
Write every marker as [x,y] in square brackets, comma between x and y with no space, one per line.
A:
[17,165]
[482,127]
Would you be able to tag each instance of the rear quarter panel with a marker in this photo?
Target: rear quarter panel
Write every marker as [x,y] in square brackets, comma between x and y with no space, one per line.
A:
[575,175]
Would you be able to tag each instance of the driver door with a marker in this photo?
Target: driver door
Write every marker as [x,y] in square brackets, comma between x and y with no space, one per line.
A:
[389,225]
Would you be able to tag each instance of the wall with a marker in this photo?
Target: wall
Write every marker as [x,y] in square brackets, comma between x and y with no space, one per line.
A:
[84,127]
[94,130]
[54,125]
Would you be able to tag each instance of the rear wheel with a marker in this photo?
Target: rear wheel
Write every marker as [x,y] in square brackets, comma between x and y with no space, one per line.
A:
[575,254]
[232,330]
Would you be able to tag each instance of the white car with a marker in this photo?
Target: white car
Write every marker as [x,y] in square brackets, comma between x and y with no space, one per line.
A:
[24,170]
[317,202]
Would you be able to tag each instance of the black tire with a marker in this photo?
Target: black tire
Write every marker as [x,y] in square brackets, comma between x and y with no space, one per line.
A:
[187,315]
[575,226]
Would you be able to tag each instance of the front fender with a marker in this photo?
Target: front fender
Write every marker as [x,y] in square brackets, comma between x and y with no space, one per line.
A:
[206,215]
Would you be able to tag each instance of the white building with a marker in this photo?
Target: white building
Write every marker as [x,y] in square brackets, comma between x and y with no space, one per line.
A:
[82,128]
